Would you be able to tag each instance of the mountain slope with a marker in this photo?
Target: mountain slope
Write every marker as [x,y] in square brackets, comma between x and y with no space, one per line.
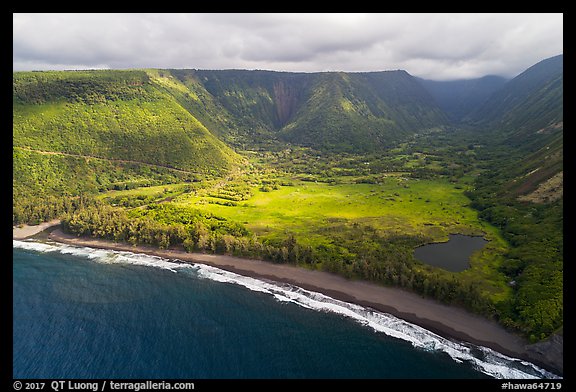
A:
[362,111]
[522,126]
[355,112]
[531,102]
[521,192]
[124,117]
[244,108]
[458,98]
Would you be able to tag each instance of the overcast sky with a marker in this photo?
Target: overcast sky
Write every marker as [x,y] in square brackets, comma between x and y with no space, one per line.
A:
[432,46]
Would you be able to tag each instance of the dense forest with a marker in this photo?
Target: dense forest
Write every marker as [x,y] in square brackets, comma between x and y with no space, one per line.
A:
[346,173]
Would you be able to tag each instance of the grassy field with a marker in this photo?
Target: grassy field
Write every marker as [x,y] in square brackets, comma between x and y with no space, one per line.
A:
[395,206]
[316,213]
[421,207]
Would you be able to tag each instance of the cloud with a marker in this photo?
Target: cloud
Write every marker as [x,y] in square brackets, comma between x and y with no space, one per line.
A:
[437,46]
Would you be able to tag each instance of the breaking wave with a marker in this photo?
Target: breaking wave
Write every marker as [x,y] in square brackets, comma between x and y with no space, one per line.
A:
[483,359]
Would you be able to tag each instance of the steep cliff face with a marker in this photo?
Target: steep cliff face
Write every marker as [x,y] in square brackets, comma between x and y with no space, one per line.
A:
[286,99]
[338,111]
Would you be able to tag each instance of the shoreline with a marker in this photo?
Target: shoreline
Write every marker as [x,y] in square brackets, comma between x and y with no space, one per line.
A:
[26,231]
[447,321]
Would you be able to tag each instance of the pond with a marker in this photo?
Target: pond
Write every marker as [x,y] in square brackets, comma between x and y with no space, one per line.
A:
[453,255]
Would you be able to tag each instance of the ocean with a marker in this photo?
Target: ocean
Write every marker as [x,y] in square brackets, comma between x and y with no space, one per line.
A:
[88,313]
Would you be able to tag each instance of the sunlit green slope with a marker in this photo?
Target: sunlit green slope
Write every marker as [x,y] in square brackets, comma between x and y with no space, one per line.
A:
[72,128]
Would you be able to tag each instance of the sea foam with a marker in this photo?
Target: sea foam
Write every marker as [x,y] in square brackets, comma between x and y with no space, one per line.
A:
[483,359]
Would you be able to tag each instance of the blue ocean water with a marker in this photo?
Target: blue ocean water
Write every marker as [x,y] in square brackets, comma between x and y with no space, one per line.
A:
[87,313]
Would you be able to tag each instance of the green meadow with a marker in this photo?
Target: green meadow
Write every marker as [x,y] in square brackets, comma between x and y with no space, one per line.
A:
[416,207]
[319,214]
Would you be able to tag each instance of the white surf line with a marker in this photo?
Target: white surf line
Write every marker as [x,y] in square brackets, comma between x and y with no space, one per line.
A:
[482,358]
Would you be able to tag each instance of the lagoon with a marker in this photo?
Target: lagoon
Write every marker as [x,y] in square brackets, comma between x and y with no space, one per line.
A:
[453,255]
